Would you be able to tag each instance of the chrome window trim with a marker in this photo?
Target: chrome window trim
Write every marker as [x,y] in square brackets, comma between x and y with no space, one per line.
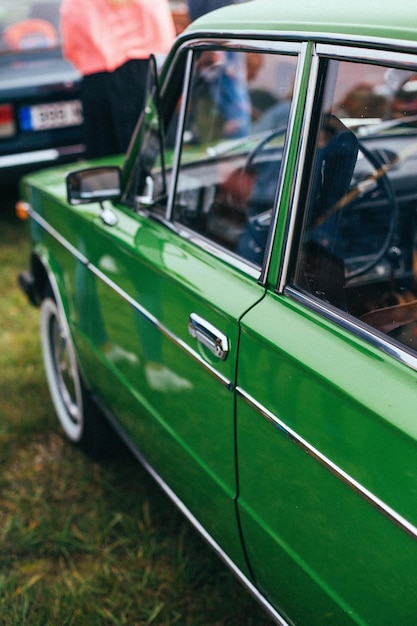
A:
[337,52]
[297,50]
[345,52]
[332,467]
[343,319]
[178,137]
[216,250]
[276,36]
[300,165]
[302,57]
[317,37]
[355,326]
[213,248]
[295,44]
[244,41]
[173,338]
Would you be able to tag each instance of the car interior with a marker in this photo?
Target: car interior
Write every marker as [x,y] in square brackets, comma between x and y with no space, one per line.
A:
[369,227]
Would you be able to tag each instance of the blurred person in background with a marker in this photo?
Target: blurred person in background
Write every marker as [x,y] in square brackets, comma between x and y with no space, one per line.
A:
[222,82]
[109,42]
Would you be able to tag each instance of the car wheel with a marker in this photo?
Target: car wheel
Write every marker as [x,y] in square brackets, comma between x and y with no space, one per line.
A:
[81,421]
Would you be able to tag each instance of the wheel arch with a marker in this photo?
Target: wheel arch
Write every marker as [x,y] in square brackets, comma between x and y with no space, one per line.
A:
[47,281]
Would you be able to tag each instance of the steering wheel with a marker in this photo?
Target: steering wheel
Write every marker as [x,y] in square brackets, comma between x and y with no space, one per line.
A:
[376,181]
[380,166]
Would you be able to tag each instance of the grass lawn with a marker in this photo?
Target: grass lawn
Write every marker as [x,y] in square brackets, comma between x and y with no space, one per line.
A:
[84,542]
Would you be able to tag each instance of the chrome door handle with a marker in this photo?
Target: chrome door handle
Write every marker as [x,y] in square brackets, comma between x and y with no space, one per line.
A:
[208,336]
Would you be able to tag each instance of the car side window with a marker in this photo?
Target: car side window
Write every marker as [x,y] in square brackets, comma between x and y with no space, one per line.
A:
[234,131]
[358,241]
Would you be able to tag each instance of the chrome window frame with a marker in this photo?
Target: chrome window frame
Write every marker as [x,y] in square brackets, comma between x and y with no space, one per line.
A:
[297,50]
[339,52]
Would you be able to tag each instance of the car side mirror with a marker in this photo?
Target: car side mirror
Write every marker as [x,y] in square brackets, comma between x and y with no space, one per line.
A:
[95,184]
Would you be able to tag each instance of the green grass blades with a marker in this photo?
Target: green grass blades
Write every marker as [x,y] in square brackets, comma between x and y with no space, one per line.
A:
[86,543]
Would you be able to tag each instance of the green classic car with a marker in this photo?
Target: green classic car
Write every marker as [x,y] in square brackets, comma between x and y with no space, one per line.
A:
[237,297]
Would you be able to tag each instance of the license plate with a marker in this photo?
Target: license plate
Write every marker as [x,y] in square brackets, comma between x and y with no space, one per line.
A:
[55,115]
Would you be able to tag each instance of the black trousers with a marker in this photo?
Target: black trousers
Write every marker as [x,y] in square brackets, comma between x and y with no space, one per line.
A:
[112,103]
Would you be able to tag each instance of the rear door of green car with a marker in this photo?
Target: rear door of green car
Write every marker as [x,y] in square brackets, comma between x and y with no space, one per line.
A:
[326,384]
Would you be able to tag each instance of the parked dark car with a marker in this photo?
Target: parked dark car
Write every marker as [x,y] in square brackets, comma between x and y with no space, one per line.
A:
[40,108]
[237,296]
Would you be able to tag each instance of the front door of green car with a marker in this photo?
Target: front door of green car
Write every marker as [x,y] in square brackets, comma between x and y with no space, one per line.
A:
[186,254]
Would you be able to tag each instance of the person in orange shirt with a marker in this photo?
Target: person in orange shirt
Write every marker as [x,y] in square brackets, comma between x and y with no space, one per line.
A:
[109,42]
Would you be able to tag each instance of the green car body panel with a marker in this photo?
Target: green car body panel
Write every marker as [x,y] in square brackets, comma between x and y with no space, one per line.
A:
[296,454]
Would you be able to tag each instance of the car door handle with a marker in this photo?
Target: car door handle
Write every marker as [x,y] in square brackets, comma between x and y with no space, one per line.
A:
[208,336]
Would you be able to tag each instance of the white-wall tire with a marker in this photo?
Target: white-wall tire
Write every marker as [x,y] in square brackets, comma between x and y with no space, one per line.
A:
[62,371]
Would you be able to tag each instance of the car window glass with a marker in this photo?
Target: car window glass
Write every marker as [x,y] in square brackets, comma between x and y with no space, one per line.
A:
[359,232]
[235,125]
[29,25]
